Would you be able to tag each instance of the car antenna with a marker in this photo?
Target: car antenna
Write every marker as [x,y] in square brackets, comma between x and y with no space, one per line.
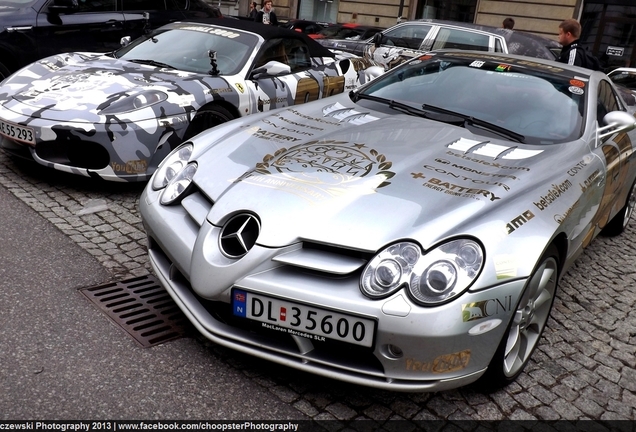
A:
[215,69]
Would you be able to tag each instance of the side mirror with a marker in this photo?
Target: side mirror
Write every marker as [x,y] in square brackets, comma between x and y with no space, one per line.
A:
[65,6]
[616,122]
[377,39]
[271,68]
[124,41]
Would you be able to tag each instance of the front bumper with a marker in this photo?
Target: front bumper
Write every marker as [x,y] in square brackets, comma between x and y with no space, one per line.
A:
[415,348]
[114,151]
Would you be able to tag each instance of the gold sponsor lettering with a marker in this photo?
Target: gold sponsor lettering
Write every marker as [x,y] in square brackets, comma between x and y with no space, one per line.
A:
[486,308]
[441,364]
[519,221]
[130,167]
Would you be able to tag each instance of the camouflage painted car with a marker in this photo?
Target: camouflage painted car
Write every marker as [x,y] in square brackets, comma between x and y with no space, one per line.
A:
[409,235]
[116,116]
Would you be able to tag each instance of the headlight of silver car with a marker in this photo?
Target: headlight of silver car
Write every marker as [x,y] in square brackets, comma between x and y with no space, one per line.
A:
[135,102]
[438,276]
[172,165]
[176,188]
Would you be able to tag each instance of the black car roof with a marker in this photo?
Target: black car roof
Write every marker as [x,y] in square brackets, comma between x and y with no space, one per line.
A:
[267,32]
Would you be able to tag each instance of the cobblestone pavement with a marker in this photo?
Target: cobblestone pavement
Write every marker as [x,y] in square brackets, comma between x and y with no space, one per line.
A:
[585,367]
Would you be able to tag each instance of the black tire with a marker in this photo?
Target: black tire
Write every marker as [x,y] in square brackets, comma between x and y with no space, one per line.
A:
[619,223]
[526,326]
[4,72]
[207,118]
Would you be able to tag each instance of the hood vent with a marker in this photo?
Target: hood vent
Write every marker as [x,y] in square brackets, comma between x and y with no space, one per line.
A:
[347,115]
[495,151]
[325,259]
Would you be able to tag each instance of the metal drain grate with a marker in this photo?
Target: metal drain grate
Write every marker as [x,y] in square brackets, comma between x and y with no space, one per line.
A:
[142,307]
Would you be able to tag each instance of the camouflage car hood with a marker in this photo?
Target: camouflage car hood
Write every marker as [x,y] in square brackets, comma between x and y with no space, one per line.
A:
[333,176]
[77,86]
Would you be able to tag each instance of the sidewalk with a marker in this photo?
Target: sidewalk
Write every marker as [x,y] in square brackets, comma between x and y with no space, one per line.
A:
[61,358]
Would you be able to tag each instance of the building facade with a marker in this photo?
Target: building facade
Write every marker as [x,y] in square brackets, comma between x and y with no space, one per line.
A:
[609,26]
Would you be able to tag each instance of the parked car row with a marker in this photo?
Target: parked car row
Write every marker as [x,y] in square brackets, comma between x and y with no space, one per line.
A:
[34,29]
[404,230]
[410,39]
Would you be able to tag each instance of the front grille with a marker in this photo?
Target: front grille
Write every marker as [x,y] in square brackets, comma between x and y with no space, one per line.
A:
[77,153]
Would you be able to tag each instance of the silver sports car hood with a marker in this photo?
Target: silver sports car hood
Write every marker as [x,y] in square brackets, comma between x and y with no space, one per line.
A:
[359,179]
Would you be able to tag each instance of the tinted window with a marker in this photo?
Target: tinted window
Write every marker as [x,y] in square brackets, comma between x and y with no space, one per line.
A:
[147,5]
[97,5]
[460,39]
[607,101]
[407,36]
[624,78]
[297,55]
[498,45]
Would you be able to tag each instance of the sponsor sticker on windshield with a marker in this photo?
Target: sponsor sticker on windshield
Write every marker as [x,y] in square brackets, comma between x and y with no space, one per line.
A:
[576,90]
[503,68]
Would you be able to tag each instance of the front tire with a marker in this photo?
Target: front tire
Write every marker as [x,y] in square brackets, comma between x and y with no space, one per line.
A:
[526,326]
[619,223]
[207,118]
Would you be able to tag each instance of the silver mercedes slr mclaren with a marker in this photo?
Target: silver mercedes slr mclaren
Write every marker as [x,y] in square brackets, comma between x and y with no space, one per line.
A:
[409,235]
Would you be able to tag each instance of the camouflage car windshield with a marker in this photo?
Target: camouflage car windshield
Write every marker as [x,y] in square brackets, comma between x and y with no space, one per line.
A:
[186,48]
[544,108]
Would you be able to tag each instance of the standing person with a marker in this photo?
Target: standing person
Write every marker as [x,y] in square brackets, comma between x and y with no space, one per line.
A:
[266,14]
[508,23]
[253,11]
[571,53]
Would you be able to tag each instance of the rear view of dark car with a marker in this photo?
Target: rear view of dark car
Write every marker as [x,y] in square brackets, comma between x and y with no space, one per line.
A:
[33,29]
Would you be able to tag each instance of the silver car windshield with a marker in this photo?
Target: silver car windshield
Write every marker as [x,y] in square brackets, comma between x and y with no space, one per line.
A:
[187,49]
[542,108]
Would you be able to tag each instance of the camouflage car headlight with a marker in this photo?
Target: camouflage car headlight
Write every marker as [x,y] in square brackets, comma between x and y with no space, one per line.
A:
[436,277]
[172,165]
[134,102]
[179,185]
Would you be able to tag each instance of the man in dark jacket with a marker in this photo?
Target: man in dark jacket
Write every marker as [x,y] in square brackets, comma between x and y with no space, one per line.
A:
[253,11]
[266,14]
[571,53]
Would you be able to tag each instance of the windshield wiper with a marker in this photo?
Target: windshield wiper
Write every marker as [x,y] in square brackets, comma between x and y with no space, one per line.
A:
[472,121]
[405,108]
[449,116]
[152,63]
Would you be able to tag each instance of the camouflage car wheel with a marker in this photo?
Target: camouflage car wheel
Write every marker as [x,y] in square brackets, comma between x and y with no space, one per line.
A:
[207,118]
[528,323]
